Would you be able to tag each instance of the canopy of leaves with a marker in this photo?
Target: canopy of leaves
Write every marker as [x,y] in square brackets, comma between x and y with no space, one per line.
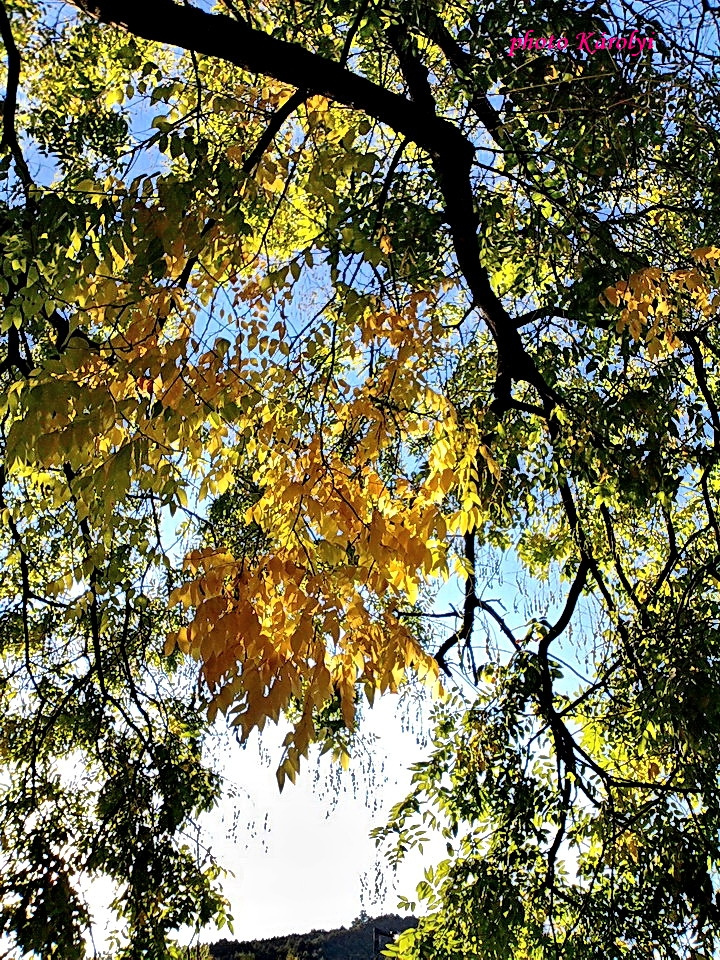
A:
[371,306]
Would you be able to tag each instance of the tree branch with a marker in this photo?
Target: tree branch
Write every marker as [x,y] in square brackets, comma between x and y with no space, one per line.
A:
[273,128]
[453,170]
[218,35]
[463,63]
[471,603]
[9,134]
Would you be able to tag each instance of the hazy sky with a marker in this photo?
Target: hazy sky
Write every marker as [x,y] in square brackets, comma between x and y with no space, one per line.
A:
[303,859]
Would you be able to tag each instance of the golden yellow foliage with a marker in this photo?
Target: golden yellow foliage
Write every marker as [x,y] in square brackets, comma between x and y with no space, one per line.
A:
[653,302]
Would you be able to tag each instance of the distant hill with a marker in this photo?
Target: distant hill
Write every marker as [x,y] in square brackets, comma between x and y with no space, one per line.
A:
[361,941]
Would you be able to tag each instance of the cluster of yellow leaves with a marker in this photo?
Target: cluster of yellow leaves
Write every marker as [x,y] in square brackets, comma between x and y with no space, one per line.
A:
[282,631]
[321,612]
[118,415]
[652,300]
[145,405]
[132,401]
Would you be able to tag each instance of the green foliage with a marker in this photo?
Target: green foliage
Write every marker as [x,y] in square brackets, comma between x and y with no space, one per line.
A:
[103,769]
[367,305]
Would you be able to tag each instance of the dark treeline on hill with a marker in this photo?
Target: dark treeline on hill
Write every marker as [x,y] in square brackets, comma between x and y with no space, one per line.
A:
[356,943]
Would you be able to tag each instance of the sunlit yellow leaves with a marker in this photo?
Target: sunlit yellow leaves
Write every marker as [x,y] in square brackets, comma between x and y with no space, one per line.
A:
[318,613]
[708,254]
[260,634]
[187,364]
[630,842]
[653,302]
[385,242]
[271,175]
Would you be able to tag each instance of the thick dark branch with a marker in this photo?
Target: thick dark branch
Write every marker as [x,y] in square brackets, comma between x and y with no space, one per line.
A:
[622,576]
[563,621]
[454,174]
[14,357]
[542,313]
[217,35]
[9,134]
[463,63]
[565,746]
[413,69]
[700,376]
[462,636]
